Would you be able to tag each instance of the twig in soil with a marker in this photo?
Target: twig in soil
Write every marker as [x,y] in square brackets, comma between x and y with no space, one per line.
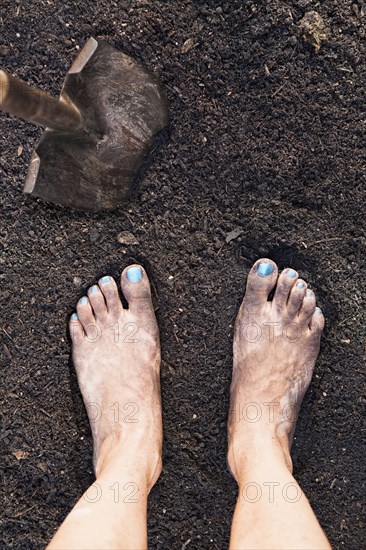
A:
[6,349]
[24,511]
[7,334]
[175,331]
[45,412]
[279,89]
[172,369]
[322,241]
[353,317]
[153,286]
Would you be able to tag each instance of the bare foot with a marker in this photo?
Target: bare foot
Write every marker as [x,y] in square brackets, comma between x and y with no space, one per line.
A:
[116,353]
[276,344]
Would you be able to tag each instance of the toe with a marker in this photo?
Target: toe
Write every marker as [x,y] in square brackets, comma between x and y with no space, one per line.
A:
[85,315]
[110,291]
[308,306]
[97,302]
[76,328]
[296,297]
[136,289]
[317,321]
[285,283]
[261,280]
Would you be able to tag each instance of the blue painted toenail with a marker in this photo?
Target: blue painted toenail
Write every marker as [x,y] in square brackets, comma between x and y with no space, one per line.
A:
[308,293]
[74,316]
[83,300]
[265,269]
[94,289]
[134,274]
[105,280]
[318,310]
[291,273]
[300,284]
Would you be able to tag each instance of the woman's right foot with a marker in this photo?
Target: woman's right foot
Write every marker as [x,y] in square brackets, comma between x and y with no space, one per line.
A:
[276,344]
[116,354]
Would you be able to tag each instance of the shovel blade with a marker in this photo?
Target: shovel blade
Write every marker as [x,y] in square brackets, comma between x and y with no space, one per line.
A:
[124,109]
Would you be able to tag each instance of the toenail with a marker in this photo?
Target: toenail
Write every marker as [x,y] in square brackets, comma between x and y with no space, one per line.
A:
[309,293]
[291,273]
[318,310]
[134,274]
[83,300]
[94,289]
[264,270]
[74,316]
[105,280]
[300,284]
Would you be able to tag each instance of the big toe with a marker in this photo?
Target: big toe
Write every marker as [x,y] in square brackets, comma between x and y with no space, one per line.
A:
[136,289]
[261,280]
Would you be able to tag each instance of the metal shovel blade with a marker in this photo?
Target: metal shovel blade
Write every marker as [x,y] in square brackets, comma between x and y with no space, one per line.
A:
[123,107]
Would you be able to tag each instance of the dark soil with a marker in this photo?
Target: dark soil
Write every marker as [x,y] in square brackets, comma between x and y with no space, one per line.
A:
[267,137]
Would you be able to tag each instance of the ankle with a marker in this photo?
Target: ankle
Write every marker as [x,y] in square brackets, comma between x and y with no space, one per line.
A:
[246,452]
[117,458]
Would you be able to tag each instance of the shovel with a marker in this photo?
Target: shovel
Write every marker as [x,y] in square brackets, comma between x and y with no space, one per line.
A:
[98,134]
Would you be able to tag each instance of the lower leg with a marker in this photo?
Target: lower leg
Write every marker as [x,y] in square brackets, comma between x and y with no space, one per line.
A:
[116,355]
[271,510]
[275,347]
[111,514]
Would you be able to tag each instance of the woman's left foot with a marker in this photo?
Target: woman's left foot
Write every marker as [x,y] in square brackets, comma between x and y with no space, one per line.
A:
[276,344]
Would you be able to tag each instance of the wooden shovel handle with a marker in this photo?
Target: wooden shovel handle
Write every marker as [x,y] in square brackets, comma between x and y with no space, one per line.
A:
[20,99]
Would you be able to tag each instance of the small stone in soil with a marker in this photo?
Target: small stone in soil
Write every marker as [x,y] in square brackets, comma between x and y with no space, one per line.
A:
[127,238]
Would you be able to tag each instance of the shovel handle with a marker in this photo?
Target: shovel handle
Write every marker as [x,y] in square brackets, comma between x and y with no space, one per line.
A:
[19,99]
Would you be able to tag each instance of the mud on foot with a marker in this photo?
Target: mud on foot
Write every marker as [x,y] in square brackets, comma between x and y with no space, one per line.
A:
[276,344]
[116,354]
